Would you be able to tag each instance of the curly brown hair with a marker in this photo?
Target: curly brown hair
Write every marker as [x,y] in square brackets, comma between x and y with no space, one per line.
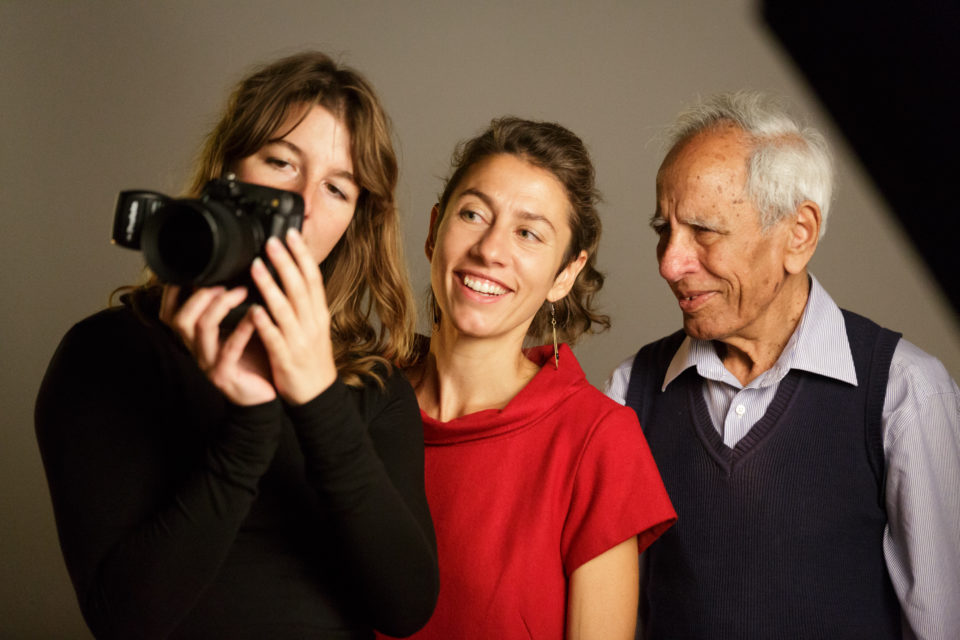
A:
[556,149]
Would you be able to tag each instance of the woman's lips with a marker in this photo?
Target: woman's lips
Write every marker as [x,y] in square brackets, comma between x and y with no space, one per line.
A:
[481,287]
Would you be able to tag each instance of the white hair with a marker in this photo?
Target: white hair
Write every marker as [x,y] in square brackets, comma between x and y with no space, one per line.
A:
[789,162]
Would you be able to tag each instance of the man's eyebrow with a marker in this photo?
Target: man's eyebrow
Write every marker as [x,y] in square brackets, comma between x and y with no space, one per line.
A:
[526,215]
[698,221]
[340,173]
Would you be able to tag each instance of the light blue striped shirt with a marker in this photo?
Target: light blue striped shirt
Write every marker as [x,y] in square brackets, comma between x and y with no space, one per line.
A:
[921,442]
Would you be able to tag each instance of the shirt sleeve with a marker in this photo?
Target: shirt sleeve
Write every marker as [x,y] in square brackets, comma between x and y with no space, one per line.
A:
[617,491]
[921,421]
[368,472]
[139,548]
[616,385]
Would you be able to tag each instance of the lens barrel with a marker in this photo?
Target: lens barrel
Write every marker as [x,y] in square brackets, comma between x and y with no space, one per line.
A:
[200,242]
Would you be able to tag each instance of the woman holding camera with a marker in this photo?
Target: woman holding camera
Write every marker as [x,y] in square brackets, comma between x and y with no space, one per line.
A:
[268,482]
[542,490]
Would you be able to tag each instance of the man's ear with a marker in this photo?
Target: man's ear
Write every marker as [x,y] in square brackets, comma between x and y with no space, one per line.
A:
[432,232]
[803,236]
[567,276]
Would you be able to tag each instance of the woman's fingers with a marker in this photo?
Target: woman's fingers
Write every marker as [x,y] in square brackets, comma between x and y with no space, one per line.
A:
[308,267]
[297,337]
[292,280]
[239,372]
[233,347]
[207,337]
[184,319]
[300,277]
[228,363]
[169,303]
[273,296]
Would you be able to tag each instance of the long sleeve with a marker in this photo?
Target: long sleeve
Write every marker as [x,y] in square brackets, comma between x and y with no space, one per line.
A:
[922,448]
[147,500]
[365,461]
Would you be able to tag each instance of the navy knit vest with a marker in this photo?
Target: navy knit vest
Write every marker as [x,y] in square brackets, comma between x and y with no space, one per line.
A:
[781,536]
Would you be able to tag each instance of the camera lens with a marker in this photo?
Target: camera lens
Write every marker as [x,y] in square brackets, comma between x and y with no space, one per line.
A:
[185,241]
[192,242]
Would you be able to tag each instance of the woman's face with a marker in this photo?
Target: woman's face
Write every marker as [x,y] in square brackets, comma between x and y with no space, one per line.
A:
[499,247]
[311,158]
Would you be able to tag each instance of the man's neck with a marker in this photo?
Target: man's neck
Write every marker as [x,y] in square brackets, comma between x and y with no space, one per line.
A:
[748,356]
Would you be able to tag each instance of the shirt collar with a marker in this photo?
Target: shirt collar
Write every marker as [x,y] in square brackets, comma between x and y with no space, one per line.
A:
[818,345]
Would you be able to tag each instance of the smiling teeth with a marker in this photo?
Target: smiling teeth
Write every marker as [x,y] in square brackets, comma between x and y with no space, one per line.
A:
[483,286]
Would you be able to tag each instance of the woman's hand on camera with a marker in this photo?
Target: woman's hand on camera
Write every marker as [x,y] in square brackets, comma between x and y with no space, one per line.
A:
[234,365]
[297,337]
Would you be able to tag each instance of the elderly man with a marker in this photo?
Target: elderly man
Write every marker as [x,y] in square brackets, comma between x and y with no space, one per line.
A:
[813,457]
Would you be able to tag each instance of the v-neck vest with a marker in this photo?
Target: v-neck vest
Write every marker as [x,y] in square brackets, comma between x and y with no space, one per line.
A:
[782,535]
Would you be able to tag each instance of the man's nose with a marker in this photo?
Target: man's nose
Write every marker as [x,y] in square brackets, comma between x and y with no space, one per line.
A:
[676,255]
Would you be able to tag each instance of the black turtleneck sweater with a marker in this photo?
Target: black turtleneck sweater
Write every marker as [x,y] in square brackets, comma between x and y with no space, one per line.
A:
[183,516]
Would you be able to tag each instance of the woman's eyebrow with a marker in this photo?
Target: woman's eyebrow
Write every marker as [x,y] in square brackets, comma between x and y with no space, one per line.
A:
[487,200]
[286,143]
[340,173]
[536,217]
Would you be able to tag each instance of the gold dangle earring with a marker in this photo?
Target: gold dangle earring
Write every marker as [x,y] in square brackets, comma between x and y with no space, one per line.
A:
[553,323]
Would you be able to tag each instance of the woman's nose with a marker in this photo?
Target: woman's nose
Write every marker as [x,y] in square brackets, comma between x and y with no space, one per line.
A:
[493,245]
[307,194]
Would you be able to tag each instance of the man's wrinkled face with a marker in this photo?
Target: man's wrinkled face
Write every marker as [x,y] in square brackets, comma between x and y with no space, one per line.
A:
[724,269]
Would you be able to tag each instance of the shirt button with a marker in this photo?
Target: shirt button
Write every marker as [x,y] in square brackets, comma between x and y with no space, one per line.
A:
[741,410]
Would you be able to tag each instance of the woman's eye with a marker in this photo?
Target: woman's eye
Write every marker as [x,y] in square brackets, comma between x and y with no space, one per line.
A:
[527,234]
[336,192]
[278,163]
[471,216]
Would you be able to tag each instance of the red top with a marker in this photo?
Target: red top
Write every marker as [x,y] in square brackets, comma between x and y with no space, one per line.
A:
[522,496]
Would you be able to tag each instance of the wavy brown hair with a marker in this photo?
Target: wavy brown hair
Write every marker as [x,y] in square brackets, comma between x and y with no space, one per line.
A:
[556,149]
[367,287]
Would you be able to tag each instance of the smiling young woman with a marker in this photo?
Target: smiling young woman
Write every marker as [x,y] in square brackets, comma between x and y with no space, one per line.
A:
[542,490]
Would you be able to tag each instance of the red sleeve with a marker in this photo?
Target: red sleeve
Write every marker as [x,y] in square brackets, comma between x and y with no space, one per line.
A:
[617,491]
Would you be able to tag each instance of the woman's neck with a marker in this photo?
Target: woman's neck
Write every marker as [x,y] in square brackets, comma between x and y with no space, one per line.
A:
[462,375]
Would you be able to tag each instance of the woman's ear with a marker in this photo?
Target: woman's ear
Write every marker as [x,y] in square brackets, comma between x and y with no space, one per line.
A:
[567,276]
[803,236]
[431,242]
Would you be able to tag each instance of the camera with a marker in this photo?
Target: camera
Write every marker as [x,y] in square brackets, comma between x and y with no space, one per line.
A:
[210,240]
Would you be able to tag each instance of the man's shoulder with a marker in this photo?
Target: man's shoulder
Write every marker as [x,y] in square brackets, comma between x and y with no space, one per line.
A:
[856,320]
[910,366]
[652,359]
[662,350]
[920,369]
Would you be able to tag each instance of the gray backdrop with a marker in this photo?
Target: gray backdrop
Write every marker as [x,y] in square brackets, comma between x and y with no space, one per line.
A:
[100,96]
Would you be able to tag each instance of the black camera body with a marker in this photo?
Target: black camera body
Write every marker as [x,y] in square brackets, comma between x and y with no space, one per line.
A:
[210,240]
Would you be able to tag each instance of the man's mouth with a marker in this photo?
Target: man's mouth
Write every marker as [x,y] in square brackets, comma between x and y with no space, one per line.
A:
[691,301]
